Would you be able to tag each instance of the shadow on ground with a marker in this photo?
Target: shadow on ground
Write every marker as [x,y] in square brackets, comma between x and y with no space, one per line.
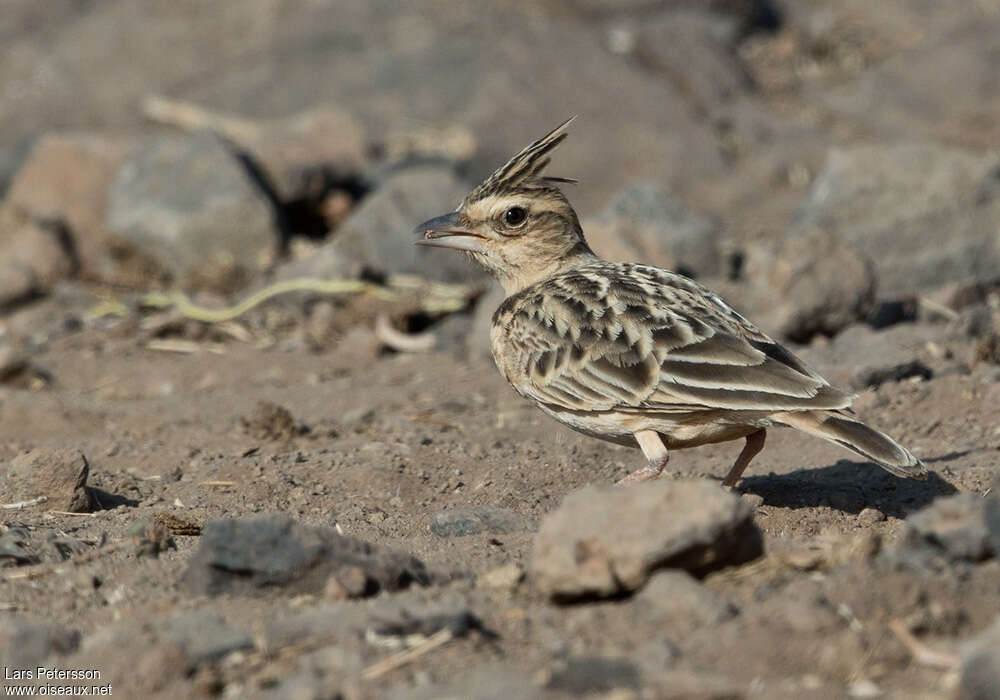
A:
[849,487]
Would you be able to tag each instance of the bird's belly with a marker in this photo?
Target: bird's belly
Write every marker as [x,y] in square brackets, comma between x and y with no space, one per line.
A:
[678,430]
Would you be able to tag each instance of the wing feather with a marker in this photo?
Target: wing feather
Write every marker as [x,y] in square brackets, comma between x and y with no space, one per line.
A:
[587,341]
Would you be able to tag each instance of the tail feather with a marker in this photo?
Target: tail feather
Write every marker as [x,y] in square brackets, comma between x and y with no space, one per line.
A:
[840,428]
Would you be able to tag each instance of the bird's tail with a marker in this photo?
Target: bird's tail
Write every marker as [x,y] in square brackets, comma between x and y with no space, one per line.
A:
[847,432]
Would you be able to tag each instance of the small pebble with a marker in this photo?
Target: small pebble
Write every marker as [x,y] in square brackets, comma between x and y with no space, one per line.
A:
[870,516]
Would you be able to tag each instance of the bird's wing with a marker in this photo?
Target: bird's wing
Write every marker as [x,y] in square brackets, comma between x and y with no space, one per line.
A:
[632,338]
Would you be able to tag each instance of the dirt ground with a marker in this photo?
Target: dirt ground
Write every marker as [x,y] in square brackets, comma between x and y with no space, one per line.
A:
[381,441]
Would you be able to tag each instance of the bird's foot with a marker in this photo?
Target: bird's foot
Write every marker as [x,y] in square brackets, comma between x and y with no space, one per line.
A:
[650,471]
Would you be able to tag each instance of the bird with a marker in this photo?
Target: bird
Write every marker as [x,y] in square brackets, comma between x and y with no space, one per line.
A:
[630,353]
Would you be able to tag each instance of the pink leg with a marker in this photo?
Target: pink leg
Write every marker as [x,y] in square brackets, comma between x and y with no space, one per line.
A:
[754,444]
[652,446]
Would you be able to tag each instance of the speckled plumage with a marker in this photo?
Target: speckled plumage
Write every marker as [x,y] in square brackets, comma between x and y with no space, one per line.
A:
[631,353]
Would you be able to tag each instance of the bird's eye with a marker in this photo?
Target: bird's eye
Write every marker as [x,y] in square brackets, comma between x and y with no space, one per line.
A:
[515,216]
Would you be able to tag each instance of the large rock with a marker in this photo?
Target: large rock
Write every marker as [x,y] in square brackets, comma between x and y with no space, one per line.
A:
[643,223]
[67,176]
[924,214]
[187,203]
[819,286]
[606,541]
[307,151]
[60,475]
[951,530]
[378,236]
[252,555]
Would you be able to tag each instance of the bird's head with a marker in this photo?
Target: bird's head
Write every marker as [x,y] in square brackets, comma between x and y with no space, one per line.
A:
[517,224]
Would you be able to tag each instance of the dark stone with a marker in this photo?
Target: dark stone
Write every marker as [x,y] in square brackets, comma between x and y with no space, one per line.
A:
[951,530]
[251,555]
[472,520]
[877,376]
[580,675]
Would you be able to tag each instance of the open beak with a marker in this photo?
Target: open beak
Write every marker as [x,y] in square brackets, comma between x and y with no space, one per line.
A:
[446,232]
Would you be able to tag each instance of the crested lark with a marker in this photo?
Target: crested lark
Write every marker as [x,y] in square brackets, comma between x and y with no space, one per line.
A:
[631,353]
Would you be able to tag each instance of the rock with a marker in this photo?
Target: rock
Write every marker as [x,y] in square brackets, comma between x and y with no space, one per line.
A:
[205,636]
[189,205]
[32,258]
[676,595]
[820,285]
[60,475]
[607,541]
[472,520]
[870,516]
[581,675]
[27,642]
[862,357]
[306,153]
[270,422]
[889,204]
[504,578]
[250,555]
[378,236]
[934,89]
[979,677]
[698,45]
[950,530]
[67,177]
[873,377]
[643,223]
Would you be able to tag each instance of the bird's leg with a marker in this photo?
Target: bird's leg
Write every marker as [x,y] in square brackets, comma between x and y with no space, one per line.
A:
[754,444]
[652,446]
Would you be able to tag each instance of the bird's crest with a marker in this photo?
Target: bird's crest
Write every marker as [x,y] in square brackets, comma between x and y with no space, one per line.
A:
[526,167]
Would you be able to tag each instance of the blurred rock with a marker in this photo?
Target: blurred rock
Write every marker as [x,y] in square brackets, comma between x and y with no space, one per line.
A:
[952,529]
[939,87]
[12,156]
[248,556]
[271,423]
[26,642]
[204,636]
[678,596]
[378,236]
[818,284]
[980,671]
[862,357]
[59,474]
[696,50]
[642,223]
[581,675]
[472,520]
[67,177]
[607,541]
[187,203]
[492,681]
[32,258]
[890,204]
[306,153]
